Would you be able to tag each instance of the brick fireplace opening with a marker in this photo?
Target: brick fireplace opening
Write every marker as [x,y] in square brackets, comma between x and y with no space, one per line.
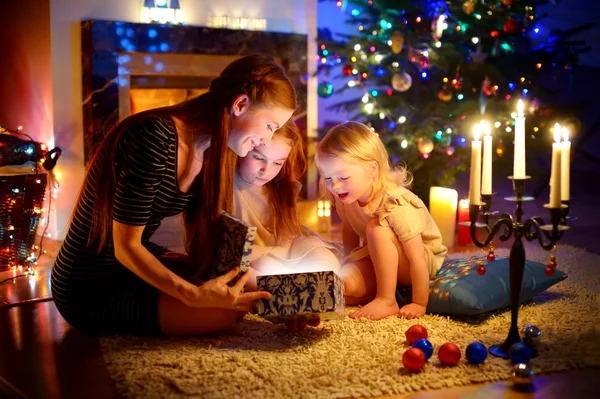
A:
[155,80]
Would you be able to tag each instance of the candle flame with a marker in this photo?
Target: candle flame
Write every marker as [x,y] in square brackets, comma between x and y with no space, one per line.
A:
[485,127]
[565,134]
[520,108]
[557,133]
[476,132]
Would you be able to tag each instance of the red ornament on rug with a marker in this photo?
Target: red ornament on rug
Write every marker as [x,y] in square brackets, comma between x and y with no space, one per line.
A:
[413,359]
[415,333]
[549,271]
[481,268]
[552,262]
[449,354]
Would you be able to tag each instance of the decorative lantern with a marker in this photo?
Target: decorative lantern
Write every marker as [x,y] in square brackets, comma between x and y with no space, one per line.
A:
[324,216]
[162,12]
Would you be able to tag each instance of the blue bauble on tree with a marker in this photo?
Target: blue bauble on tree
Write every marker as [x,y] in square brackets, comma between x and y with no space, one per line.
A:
[325,89]
[476,353]
[425,346]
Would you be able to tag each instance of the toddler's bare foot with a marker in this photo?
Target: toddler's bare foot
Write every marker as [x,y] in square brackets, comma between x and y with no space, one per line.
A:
[412,311]
[377,309]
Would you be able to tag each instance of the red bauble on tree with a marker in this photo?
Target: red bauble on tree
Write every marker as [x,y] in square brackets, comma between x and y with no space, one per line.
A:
[487,87]
[347,70]
[510,26]
[457,82]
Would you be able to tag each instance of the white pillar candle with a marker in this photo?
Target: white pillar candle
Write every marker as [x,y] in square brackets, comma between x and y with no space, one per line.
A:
[565,169]
[555,171]
[519,158]
[475,177]
[486,168]
[443,204]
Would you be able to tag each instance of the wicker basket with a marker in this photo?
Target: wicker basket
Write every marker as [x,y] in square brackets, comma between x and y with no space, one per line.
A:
[21,203]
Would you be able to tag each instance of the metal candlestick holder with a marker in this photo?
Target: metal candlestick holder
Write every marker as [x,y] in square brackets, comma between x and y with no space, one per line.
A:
[531,229]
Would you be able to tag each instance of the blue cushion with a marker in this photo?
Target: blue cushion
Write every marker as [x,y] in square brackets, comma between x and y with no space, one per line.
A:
[458,290]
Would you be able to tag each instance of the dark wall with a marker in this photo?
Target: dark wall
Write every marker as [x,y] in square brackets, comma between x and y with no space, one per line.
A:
[25,67]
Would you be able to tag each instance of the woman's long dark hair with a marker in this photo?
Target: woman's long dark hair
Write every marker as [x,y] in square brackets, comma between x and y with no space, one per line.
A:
[204,118]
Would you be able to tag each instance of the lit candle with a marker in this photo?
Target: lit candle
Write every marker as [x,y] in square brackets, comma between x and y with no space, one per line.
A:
[555,171]
[475,177]
[464,233]
[565,169]
[486,171]
[442,207]
[519,159]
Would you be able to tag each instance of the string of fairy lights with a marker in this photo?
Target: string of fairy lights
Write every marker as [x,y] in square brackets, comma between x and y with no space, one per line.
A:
[20,149]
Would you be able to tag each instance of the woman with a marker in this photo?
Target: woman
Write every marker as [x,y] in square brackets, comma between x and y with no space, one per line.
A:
[108,276]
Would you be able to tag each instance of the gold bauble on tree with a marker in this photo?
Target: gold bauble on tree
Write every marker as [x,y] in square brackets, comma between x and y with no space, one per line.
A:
[401,81]
[424,145]
[444,95]
[397,42]
[469,7]
[507,3]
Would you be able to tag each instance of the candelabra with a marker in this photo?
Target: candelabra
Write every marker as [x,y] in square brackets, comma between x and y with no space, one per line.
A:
[530,229]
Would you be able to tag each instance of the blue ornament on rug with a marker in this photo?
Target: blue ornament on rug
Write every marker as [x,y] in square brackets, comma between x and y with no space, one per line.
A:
[532,337]
[476,353]
[425,346]
[522,377]
[519,353]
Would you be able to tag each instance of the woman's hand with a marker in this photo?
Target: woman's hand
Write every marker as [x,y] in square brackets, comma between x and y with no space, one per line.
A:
[216,293]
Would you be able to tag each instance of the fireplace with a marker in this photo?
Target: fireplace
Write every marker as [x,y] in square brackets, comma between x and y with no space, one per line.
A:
[128,67]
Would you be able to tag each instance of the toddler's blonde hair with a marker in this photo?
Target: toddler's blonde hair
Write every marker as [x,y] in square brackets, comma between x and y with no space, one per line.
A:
[356,143]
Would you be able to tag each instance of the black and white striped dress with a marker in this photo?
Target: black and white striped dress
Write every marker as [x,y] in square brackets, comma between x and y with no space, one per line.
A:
[93,291]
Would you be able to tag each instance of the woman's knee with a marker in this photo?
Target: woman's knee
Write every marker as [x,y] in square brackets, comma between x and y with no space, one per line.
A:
[176,318]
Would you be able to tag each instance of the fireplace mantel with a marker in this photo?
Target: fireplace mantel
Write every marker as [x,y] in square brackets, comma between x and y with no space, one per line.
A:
[106,44]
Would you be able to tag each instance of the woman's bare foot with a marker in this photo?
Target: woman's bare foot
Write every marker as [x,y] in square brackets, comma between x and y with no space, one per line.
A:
[377,309]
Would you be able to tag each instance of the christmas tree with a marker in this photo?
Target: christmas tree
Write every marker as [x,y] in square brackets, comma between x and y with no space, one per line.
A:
[422,73]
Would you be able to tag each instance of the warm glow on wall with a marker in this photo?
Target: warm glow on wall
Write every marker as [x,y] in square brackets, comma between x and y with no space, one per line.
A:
[237,23]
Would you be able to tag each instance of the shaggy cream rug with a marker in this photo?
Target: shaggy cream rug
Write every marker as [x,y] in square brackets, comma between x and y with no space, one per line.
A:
[359,358]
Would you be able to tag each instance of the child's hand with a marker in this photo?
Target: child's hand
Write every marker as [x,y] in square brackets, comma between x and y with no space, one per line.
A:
[412,311]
